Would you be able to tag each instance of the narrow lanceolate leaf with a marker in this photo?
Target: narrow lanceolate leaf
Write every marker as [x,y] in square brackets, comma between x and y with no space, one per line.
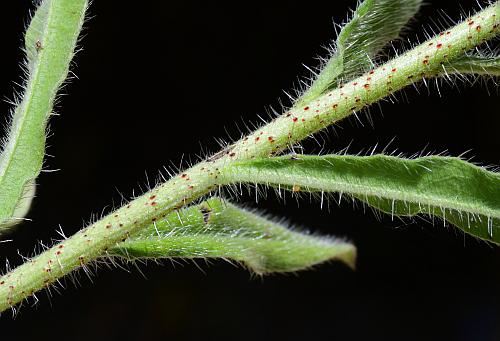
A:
[217,229]
[373,25]
[50,42]
[450,188]
[475,64]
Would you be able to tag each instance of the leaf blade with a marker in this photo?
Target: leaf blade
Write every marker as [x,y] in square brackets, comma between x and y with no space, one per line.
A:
[50,42]
[217,229]
[476,64]
[450,188]
[373,24]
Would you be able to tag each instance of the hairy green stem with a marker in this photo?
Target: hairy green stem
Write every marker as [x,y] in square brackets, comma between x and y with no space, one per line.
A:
[92,242]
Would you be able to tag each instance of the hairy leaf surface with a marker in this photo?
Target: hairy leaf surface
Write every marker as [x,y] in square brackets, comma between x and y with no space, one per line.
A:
[476,64]
[450,188]
[50,41]
[217,229]
[373,25]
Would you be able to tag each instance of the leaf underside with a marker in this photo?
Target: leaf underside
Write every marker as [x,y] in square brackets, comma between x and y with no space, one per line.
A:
[218,229]
[446,187]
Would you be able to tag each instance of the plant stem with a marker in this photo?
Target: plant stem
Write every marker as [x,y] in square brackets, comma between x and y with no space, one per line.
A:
[92,242]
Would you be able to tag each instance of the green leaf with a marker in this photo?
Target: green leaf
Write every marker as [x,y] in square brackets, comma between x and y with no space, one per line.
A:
[450,188]
[217,229]
[476,64]
[373,25]
[50,41]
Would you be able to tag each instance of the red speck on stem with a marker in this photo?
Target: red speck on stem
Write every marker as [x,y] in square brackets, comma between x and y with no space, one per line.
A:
[306,108]
[439,45]
[295,119]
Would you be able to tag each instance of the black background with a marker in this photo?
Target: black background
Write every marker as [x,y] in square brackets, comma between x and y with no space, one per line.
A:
[158,80]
